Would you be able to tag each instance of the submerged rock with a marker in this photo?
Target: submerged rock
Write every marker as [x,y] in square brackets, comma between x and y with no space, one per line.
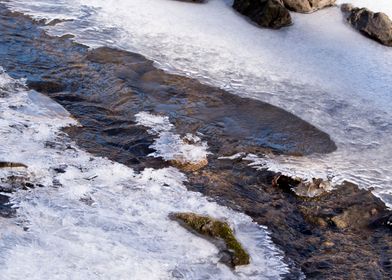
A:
[307,6]
[46,86]
[377,26]
[189,166]
[233,254]
[302,188]
[266,13]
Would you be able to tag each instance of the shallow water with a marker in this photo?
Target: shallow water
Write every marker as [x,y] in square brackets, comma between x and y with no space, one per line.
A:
[91,218]
[319,69]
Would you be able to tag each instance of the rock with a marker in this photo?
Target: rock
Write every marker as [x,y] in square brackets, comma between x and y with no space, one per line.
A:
[285,183]
[266,13]
[233,252]
[6,164]
[300,187]
[377,26]
[189,166]
[312,189]
[346,7]
[307,6]
[45,86]
[328,244]
[340,221]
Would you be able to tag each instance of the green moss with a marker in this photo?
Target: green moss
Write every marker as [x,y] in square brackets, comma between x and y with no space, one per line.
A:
[212,228]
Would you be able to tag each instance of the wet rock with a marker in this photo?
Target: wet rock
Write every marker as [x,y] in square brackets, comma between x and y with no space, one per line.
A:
[45,86]
[383,221]
[346,7]
[314,188]
[6,164]
[285,183]
[302,188]
[233,252]
[6,209]
[189,166]
[57,21]
[377,26]
[266,13]
[60,169]
[307,6]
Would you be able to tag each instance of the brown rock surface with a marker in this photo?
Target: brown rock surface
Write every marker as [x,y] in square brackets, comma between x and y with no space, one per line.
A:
[266,13]
[377,26]
[307,6]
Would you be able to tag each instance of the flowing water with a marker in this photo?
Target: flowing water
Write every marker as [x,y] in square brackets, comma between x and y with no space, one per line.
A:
[320,69]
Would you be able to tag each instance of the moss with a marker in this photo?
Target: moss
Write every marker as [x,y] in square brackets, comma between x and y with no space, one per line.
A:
[212,228]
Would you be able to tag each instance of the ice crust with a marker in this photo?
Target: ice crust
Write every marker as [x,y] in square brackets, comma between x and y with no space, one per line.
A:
[98,219]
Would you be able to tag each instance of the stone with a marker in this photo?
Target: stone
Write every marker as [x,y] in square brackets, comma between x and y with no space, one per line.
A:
[346,7]
[377,26]
[307,6]
[189,166]
[233,252]
[266,13]
[6,164]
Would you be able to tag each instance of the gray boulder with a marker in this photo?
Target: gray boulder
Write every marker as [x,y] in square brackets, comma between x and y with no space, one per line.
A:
[377,26]
[307,6]
[266,13]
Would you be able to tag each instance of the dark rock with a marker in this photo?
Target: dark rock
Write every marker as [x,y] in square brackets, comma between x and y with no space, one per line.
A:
[286,183]
[307,6]
[46,86]
[6,164]
[301,188]
[377,26]
[266,13]
[346,7]
[233,253]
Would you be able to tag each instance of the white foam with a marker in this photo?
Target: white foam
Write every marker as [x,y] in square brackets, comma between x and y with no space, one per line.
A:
[99,219]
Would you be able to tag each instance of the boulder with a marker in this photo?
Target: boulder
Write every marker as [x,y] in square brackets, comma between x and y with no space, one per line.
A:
[307,6]
[302,188]
[266,13]
[232,253]
[377,26]
[7,164]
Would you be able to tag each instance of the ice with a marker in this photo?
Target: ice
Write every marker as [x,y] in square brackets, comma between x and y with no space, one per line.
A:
[169,145]
[98,219]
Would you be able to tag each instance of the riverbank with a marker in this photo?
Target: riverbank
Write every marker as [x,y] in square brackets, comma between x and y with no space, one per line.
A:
[105,88]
